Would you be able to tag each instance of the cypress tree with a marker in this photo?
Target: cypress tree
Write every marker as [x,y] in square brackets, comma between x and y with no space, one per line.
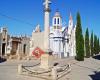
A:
[79,40]
[92,44]
[95,44]
[87,46]
[98,46]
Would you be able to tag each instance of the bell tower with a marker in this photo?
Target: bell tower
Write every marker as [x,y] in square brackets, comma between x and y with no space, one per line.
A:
[57,21]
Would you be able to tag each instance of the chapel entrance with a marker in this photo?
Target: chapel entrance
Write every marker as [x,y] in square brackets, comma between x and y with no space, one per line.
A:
[3,48]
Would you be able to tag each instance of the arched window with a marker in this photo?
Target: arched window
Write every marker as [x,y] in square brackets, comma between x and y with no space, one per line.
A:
[55,21]
[58,20]
[24,48]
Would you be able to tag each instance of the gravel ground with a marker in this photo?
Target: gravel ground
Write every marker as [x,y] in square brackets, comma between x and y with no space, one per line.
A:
[85,70]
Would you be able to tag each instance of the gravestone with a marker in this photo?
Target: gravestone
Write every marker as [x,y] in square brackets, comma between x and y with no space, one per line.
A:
[46,61]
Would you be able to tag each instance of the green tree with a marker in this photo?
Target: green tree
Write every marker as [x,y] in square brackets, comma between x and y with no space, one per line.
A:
[87,46]
[95,44]
[98,46]
[92,44]
[79,40]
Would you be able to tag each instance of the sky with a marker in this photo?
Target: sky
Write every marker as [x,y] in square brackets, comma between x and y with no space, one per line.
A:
[22,16]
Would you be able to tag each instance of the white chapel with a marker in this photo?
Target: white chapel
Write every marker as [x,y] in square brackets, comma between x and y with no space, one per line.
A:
[62,38]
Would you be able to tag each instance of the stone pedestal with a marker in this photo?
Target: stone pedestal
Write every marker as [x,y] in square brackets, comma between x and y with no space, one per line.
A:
[20,70]
[46,61]
[54,73]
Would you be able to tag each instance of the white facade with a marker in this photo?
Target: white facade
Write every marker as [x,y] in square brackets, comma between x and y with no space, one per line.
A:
[62,39]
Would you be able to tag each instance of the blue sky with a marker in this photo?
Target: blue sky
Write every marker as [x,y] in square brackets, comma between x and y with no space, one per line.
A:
[29,13]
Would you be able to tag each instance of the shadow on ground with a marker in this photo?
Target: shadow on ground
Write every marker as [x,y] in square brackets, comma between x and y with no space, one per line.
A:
[2,60]
[97,57]
[95,76]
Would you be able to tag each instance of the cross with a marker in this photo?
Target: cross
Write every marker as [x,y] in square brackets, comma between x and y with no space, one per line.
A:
[46,3]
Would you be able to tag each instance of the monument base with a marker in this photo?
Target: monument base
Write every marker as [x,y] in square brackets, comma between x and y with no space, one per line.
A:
[47,60]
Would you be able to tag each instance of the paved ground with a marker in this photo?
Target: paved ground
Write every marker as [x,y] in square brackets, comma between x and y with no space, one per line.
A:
[87,70]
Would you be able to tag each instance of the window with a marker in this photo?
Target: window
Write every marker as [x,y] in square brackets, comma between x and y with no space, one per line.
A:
[55,21]
[58,20]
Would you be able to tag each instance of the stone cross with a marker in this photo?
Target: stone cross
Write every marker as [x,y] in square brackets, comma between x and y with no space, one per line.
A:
[46,3]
